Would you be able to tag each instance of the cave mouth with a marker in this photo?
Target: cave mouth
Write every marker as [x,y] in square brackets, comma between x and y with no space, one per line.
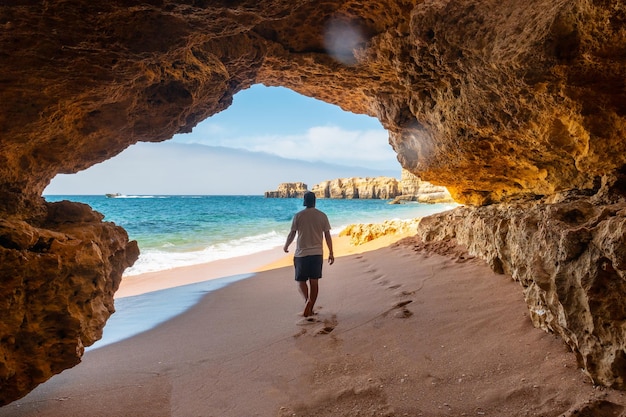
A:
[268,136]
[157,193]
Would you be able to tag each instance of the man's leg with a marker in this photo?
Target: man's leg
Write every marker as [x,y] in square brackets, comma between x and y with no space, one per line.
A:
[304,290]
[308,309]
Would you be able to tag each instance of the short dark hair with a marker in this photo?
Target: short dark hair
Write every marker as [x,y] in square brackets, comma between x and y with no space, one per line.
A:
[309,199]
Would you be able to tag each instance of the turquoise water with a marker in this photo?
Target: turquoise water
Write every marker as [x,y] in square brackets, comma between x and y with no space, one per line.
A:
[174,231]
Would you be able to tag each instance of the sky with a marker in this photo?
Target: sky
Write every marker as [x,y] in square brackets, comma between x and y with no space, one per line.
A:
[267,136]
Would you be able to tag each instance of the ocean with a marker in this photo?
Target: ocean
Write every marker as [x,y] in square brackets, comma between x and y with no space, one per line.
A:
[175,231]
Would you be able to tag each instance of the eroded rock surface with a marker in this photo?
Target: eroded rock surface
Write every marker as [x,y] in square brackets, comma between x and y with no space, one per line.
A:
[527,97]
[361,233]
[409,188]
[569,254]
[500,101]
[59,274]
[358,188]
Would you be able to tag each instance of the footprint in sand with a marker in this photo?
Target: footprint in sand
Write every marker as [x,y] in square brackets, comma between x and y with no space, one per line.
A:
[401,312]
[329,325]
[305,321]
[316,326]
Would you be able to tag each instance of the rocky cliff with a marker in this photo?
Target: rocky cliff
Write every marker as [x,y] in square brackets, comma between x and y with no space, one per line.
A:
[409,188]
[569,254]
[358,188]
[59,275]
[413,188]
[288,190]
[506,103]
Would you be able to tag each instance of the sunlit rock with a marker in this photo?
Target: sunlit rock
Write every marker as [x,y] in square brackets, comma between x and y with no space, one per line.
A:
[568,252]
[379,188]
[288,190]
[413,188]
[59,274]
[361,233]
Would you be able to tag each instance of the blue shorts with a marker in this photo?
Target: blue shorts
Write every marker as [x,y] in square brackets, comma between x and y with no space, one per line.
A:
[308,267]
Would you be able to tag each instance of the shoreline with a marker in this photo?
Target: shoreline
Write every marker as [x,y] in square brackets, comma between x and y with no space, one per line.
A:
[245,264]
[154,298]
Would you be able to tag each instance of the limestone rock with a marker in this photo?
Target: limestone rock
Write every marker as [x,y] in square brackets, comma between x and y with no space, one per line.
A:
[569,255]
[288,190]
[414,189]
[362,188]
[492,100]
[361,233]
[57,291]
[409,188]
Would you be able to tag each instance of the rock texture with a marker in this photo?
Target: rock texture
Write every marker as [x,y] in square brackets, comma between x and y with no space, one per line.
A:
[569,255]
[413,188]
[58,281]
[358,188]
[527,97]
[499,101]
[288,190]
[362,233]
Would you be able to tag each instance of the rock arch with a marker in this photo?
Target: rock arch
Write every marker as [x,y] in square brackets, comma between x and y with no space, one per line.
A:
[515,106]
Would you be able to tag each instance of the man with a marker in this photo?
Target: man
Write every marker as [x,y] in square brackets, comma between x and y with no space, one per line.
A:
[312,227]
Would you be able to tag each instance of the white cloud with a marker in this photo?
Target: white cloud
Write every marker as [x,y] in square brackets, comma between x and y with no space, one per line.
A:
[330,144]
[335,145]
[207,129]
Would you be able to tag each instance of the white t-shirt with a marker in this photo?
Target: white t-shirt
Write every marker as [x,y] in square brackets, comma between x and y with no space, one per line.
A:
[310,224]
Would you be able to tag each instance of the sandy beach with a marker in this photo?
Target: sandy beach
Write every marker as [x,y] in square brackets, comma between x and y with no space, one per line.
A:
[401,331]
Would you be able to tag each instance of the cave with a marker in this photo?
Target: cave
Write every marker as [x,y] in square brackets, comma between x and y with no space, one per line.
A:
[517,108]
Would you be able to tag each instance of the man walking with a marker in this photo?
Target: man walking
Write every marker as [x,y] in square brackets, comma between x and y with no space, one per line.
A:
[312,227]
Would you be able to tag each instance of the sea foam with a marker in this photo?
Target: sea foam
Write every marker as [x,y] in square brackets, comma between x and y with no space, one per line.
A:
[152,260]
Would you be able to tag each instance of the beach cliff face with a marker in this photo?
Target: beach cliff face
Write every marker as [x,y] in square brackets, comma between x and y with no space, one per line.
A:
[518,108]
[568,252]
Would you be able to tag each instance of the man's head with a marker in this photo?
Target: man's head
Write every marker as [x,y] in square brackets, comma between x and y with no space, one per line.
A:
[309,199]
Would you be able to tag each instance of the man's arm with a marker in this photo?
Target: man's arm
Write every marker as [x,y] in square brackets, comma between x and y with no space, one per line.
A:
[329,243]
[290,238]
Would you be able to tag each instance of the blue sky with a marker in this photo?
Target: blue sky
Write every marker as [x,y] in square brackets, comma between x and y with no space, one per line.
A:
[267,136]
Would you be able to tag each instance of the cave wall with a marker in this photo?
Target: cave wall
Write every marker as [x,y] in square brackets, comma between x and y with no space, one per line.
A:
[500,101]
[59,274]
[569,255]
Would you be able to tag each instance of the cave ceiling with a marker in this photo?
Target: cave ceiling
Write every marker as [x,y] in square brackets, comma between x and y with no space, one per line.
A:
[497,100]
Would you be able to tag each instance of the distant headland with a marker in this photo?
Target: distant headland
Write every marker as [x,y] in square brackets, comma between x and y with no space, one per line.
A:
[408,188]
